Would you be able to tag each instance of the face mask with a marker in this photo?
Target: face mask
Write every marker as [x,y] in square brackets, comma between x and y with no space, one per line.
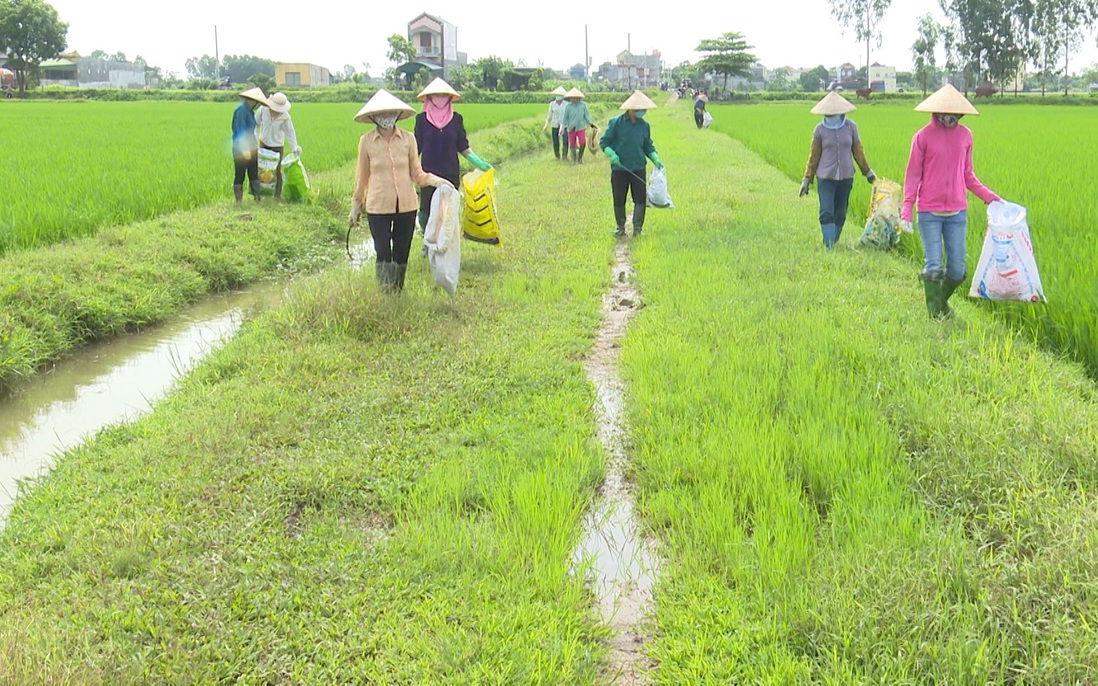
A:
[559,98]
[639,114]
[834,121]
[439,100]
[386,122]
[947,120]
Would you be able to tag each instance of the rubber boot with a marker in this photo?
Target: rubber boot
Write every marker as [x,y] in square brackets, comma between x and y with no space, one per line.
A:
[238,191]
[830,234]
[386,276]
[638,219]
[582,149]
[574,156]
[948,286]
[399,270]
[932,287]
[278,187]
[254,186]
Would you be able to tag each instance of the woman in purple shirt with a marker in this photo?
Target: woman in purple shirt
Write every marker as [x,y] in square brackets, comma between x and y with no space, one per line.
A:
[440,135]
[835,143]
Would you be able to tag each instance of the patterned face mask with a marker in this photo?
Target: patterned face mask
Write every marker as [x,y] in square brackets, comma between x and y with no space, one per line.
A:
[386,122]
[947,120]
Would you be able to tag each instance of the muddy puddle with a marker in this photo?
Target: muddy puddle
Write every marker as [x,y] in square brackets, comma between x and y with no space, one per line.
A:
[109,382]
[622,565]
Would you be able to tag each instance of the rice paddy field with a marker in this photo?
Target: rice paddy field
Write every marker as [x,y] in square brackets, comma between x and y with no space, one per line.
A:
[367,489]
[70,168]
[1042,157]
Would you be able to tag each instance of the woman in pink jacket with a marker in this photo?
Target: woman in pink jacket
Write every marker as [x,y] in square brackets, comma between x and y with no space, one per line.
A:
[939,170]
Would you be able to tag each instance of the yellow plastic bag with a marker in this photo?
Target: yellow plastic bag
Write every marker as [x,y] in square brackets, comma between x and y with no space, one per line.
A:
[478,217]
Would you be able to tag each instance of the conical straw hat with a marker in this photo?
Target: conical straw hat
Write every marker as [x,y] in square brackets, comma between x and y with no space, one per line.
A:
[638,101]
[255,94]
[438,87]
[946,100]
[833,104]
[559,90]
[383,101]
[574,93]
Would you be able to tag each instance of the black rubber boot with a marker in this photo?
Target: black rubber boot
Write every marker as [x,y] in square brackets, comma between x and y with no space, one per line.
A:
[948,286]
[238,191]
[582,149]
[254,186]
[399,270]
[386,276]
[932,286]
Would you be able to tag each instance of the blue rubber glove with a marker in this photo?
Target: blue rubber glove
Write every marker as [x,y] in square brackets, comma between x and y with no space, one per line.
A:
[477,162]
[655,159]
[612,156]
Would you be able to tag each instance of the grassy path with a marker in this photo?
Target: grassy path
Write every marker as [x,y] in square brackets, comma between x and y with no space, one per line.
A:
[847,492]
[362,489]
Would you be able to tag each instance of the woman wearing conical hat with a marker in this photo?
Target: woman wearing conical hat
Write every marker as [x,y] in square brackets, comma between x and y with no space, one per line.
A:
[440,134]
[245,144]
[386,177]
[628,145]
[276,131]
[939,170]
[836,147]
[556,112]
[574,122]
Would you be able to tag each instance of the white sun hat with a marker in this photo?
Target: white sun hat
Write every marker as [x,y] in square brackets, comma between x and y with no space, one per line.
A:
[279,103]
[383,101]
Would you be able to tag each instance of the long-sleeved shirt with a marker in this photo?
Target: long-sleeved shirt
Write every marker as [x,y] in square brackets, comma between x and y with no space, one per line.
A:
[275,130]
[939,169]
[244,141]
[556,112]
[832,152]
[630,140]
[440,147]
[575,116]
[388,171]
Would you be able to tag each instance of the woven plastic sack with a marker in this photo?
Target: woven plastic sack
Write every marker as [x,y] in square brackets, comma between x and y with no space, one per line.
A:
[295,180]
[593,140]
[1007,270]
[442,236]
[707,119]
[657,189]
[268,165]
[882,222]
[479,218]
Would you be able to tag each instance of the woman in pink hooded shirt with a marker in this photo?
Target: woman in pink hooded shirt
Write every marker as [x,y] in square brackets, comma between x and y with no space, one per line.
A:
[939,171]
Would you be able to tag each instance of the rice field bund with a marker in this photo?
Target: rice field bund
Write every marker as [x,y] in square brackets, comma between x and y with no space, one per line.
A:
[366,489]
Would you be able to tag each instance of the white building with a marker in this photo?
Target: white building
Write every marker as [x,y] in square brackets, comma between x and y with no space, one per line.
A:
[882,78]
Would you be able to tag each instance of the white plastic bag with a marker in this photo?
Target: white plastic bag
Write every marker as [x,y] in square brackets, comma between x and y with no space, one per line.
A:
[442,236]
[707,119]
[657,189]
[1006,269]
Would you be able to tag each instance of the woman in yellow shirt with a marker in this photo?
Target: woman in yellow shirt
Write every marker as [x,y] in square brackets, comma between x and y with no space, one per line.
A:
[386,177]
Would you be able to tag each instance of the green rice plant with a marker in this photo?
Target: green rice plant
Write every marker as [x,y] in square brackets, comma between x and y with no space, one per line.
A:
[74,167]
[1048,174]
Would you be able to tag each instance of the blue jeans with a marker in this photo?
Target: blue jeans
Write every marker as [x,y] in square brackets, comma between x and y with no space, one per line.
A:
[834,198]
[948,232]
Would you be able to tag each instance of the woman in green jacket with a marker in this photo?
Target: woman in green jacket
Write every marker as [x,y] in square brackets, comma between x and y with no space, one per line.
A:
[627,143]
[574,123]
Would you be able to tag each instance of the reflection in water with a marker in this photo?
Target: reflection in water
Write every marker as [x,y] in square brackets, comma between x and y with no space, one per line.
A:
[107,383]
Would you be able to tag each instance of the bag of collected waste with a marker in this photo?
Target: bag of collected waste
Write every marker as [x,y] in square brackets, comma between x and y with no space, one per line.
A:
[478,217]
[657,189]
[295,180]
[268,165]
[1007,269]
[707,119]
[442,236]
[882,222]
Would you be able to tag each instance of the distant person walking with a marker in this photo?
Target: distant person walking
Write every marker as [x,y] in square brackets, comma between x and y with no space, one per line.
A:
[836,146]
[627,143]
[276,131]
[386,176]
[245,144]
[699,108]
[553,119]
[574,121]
[939,170]
[440,135]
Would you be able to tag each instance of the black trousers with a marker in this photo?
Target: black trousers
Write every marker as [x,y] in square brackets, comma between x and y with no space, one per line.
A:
[392,234]
[428,192]
[248,166]
[699,117]
[632,181]
[558,135]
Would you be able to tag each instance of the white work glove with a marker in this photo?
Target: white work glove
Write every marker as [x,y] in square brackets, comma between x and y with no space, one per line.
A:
[906,227]
[356,212]
[297,151]
[804,187]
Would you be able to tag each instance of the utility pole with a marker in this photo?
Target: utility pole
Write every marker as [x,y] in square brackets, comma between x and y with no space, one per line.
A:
[217,57]
[586,56]
[629,59]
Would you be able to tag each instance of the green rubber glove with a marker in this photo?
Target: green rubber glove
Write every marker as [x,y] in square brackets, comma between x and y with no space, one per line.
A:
[655,159]
[477,162]
[612,156]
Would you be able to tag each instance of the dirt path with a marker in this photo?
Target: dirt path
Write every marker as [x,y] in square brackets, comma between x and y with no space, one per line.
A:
[623,565]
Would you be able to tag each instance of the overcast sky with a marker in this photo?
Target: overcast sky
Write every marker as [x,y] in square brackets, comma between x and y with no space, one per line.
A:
[799,33]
